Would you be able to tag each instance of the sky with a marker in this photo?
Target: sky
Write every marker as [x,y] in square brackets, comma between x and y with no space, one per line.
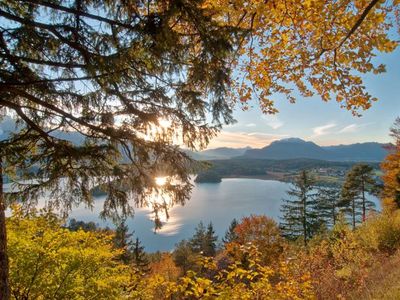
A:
[324,123]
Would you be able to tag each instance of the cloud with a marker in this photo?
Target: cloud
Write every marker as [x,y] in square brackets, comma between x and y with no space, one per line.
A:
[251,125]
[353,128]
[349,128]
[322,130]
[244,139]
[273,121]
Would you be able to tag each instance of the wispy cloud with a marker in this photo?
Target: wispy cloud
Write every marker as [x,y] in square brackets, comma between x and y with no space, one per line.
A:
[273,121]
[243,139]
[349,128]
[322,130]
[353,128]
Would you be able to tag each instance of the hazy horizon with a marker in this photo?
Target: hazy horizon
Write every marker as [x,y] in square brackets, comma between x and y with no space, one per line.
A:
[340,144]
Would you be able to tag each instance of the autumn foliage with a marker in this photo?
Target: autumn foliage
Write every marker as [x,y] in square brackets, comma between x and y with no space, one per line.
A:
[391,168]
[310,47]
[260,231]
[48,261]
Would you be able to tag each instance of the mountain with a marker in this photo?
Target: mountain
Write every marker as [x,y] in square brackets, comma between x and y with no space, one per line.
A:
[359,152]
[287,149]
[297,148]
[9,126]
[217,153]
[224,152]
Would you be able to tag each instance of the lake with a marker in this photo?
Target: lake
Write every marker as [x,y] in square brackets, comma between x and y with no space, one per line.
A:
[218,203]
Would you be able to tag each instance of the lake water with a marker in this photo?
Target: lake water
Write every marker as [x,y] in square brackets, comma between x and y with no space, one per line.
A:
[218,203]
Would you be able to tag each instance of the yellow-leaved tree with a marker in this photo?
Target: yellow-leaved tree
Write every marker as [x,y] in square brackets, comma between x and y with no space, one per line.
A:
[391,168]
[252,280]
[308,47]
[48,261]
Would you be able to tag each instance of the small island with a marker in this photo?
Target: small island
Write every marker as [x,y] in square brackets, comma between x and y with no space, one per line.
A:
[208,177]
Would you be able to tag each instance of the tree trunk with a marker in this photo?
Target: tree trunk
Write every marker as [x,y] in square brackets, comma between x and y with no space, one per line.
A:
[354,213]
[305,220]
[334,215]
[4,286]
[364,214]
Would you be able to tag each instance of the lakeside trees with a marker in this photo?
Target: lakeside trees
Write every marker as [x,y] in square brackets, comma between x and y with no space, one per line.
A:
[328,206]
[230,234]
[204,240]
[311,208]
[299,215]
[359,182]
[203,243]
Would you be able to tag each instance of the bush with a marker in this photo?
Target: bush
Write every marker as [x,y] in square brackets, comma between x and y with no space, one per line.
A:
[382,232]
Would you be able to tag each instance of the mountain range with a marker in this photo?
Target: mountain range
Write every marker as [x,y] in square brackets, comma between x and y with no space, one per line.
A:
[291,148]
[294,148]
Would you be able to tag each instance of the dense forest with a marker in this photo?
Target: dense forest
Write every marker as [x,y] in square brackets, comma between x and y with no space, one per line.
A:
[139,82]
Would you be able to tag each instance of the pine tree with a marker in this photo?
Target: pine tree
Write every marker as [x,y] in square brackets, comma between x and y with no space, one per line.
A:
[123,241]
[204,240]
[183,256]
[359,181]
[230,234]
[328,204]
[75,225]
[299,216]
[198,238]
[139,256]
[210,242]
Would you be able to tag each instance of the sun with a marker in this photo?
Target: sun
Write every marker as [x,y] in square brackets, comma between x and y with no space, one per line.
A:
[164,123]
[160,181]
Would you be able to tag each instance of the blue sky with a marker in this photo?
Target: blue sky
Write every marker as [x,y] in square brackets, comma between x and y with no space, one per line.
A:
[323,123]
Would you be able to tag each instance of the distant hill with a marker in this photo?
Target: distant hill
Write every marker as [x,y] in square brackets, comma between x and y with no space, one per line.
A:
[217,153]
[224,152]
[8,126]
[293,148]
[358,152]
[288,149]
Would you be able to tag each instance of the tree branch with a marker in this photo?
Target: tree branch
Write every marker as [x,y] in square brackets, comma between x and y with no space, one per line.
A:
[80,13]
[359,21]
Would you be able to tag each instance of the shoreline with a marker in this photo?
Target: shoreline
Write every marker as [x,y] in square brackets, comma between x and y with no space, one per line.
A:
[273,177]
[260,177]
